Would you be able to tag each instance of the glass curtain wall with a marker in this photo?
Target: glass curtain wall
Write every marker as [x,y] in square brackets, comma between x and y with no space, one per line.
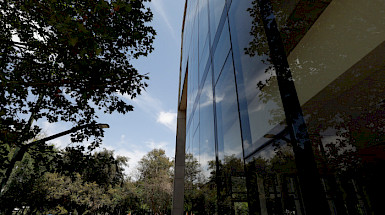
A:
[240,153]
[336,54]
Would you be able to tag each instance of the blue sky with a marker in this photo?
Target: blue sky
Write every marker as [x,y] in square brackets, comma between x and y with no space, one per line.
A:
[152,124]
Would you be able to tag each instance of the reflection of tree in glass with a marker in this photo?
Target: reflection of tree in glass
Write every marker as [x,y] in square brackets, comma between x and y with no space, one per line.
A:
[200,193]
[258,46]
[345,116]
[292,22]
[276,180]
[348,133]
[231,183]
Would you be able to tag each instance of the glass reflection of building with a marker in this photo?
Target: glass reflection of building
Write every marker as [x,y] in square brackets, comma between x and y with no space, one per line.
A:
[282,107]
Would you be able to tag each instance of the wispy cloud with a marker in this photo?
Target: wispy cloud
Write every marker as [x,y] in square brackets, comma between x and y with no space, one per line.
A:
[154,108]
[146,102]
[151,144]
[49,129]
[158,6]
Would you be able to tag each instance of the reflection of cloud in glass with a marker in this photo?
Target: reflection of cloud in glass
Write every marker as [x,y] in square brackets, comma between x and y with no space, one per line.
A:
[204,159]
[267,153]
[207,97]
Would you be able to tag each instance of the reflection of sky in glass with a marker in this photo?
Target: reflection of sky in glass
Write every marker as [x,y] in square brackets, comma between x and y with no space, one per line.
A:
[203,23]
[264,108]
[207,140]
[195,142]
[203,58]
[216,8]
[222,50]
[228,127]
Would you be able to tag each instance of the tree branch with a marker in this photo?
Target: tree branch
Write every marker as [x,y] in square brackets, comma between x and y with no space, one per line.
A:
[20,148]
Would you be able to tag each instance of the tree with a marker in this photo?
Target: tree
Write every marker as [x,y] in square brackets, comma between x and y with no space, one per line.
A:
[60,60]
[22,190]
[155,180]
[49,185]
[101,167]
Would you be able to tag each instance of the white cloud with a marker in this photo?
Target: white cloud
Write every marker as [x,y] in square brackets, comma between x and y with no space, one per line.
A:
[154,145]
[154,107]
[168,119]
[134,157]
[136,153]
[133,151]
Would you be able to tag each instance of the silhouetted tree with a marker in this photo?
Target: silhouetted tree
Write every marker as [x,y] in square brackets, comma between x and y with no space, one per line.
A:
[61,60]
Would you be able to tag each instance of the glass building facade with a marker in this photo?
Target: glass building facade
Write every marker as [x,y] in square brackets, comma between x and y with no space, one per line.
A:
[281,108]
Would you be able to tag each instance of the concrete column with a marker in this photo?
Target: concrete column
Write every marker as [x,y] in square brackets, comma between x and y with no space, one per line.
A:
[178,195]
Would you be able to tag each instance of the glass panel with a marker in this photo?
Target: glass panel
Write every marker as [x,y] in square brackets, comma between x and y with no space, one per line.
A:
[195,143]
[337,59]
[228,128]
[207,153]
[208,188]
[189,91]
[189,176]
[191,7]
[203,24]
[194,61]
[271,170]
[193,73]
[203,59]
[221,51]
[276,180]
[259,98]
[231,170]
[188,142]
[216,9]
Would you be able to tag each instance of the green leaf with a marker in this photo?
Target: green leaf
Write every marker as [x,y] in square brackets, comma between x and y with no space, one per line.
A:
[73,41]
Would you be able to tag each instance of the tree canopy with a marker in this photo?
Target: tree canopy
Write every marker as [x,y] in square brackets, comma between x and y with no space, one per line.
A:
[60,60]
[57,185]
[155,181]
[63,59]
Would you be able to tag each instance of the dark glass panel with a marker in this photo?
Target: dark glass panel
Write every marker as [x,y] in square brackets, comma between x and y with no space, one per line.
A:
[272,177]
[275,184]
[336,53]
